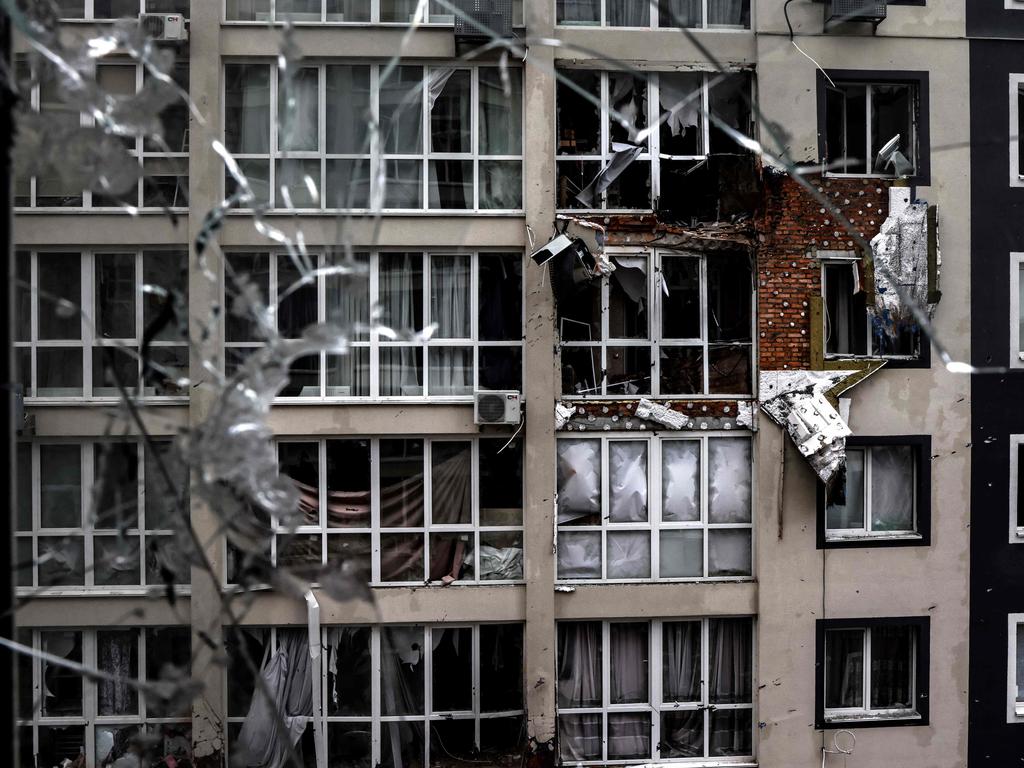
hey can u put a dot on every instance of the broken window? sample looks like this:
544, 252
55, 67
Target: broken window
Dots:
614, 524
873, 670
849, 329
878, 497
82, 318
694, 14
871, 128
100, 514
107, 722
442, 510
475, 300
398, 696
659, 690
163, 179
683, 327
603, 163
450, 138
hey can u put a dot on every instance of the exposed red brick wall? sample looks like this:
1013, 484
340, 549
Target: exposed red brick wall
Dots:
792, 226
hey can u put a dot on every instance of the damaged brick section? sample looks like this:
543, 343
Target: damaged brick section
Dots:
792, 228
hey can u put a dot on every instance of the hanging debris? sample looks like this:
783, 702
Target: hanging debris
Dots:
907, 250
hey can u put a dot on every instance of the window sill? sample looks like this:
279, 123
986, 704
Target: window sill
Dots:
561, 584
102, 401
869, 541
32, 210
872, 536
37, 593
881, 718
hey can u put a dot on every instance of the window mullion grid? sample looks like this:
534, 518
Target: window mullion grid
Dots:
705, 678
474, 95
273, 148
34, 315
321, 305
474, 511
704, 14
425, 320
36, 509
139, 322
427, 641
654, 138
602, 388
705, 301
705, 517
654, 670
654, 511
375, 708
88, 314
705, 113
321, 126
606, 686
866, 490
89, 688
425, 145
87, 510
605, 509
653, 319
374, 337
474, 317
866, 669
428, 505
605, 127
869, 94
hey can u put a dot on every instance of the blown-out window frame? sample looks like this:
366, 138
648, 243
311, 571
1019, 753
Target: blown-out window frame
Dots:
377, 719
655, 704
655, 524
374, 340
87, 306
90, 720
373, 154
140, 149
87, 532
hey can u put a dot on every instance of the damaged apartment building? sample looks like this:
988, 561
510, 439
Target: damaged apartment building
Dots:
677, 477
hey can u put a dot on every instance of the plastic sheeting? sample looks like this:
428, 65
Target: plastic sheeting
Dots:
629, 555
680, 479
501, 562
579, 555
892, 488
627, 481
729, 475
579, 479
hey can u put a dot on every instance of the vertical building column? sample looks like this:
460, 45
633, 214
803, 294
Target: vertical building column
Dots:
540, 388
205, 188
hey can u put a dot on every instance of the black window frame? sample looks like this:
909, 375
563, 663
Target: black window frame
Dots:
918, 79
921, 445
922, 660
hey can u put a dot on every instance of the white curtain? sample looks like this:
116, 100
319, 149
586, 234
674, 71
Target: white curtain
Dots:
628, 663
298, 105
892, 488
451, 368
681, 659
254, 107
680, 478
685, 13
627, 468
628, 13
629, 735
579, 479
580, 12
731, 12
401, 288
729, 474
579, 664
730, 648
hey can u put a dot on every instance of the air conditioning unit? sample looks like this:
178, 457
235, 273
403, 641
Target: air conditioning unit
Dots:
164, 27
497, 407
841, 11
495, 16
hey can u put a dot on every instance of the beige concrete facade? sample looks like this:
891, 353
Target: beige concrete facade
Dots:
794, 582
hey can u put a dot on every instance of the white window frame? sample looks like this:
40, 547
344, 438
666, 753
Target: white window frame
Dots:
1014, 706
655, 525
426, 19
655, 706
652, 154
1016, 530
374, 154
866, 532
87, 531
89, 340
655, 20
377, 719
375, 340
90, 718
89, 14
1016, 90
1013, 5
137, 149
869, 85
855, 714
655, 341
474, 530
1016, 356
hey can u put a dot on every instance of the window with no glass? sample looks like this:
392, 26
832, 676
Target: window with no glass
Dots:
663, 323
884, 495
631, 692
643, 509
395, 696
873, 670
450, 138
473, 301
873, 126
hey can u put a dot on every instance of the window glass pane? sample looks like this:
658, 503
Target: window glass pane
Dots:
579, 664
500, 114
450, 482
402, 742
729, 552
501, 184
401, 11
679, 13
579, 737
844, 668
117, 653
729, 292
629, 555
682, 370
892, 658
248, 290
729, 369
401, 371
680, 477
257, 174
501, 482
115, 9
680, 315
628, 299
627, 95
348, 108
451, 110
845, 502
164, 465
60, 295
579, 12
247, 108
117, 80
682, 734
298, 101
297, 310
71, 9
579, 555
733, 13
61, 561
401, 557
401, 108
349, 671
59, 371
115, 295
348, 10
729, 473
348, 184
579, 480
452, 669
298, 10
627, 482
501, 555
401, 290
1020, 662
449, 295
25, 490
892, 114
244, 648
628, 370
579, 118
573, 178
116, 485
892, 488
681, 553
450, 184
628, 663
401, 483
402, 668
730, 650
348, 483
501, 296
169, 271
628, 13
731, 732
62, 687
629, 736
501, 668
23, 296
298, 184
845, 312
247, 10
680, 652
60, 496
